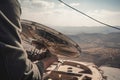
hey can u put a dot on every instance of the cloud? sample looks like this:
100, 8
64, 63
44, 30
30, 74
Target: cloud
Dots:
43, 4
53, 14
37, 4
107, 16
61, 5
74, 4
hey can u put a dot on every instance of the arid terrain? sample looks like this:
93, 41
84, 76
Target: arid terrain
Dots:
101, 49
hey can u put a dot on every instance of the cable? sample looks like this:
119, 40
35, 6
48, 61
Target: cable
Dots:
89, 16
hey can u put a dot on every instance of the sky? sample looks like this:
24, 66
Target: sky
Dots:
54, 13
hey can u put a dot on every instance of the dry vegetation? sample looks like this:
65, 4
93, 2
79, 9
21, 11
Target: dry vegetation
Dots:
101, 49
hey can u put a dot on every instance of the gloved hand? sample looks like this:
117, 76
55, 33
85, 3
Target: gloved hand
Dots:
45, 63
47, 58
50, 59
34, 56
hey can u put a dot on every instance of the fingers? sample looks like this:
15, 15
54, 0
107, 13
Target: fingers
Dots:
49, 60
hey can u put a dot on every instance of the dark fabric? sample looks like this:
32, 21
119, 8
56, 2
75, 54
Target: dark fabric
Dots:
40, 67
14, 64
11, 9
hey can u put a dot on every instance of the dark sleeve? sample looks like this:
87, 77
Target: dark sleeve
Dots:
14, 63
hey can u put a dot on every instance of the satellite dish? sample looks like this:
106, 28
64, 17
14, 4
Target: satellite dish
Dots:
56, 42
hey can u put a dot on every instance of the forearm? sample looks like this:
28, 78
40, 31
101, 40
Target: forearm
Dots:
14, 63
49, 60
17, 65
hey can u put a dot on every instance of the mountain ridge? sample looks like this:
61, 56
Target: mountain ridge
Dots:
99, 48
77, 30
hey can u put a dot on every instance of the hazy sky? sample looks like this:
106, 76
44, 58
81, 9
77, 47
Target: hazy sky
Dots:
54, 13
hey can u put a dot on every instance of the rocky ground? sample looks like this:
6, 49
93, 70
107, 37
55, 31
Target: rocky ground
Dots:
101, 49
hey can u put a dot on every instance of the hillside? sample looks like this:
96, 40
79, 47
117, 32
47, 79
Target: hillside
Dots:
83, 29
102, 49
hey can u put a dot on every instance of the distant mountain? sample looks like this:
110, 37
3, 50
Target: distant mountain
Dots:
77, 30
108, 40
99, 48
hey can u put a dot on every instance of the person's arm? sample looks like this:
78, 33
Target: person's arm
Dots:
48, 61
14, 62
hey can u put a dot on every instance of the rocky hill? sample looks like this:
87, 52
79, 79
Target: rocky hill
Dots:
101, 49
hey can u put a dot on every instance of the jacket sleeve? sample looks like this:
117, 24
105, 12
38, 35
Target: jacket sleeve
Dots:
16, 64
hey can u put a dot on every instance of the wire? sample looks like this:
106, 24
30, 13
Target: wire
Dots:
89, 16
